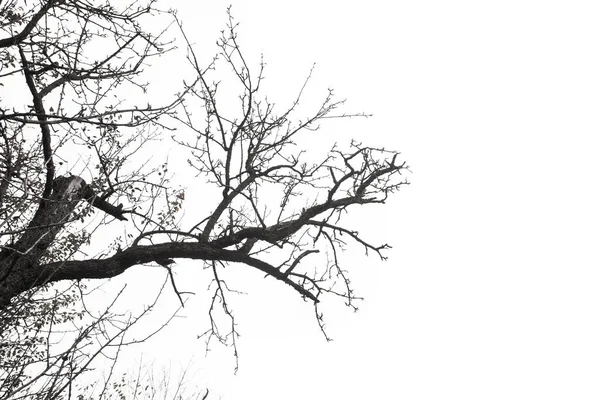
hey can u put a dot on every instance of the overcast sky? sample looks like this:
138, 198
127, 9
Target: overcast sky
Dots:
491, 290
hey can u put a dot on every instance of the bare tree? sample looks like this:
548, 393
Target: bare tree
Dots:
68, 67
277, 210
75, 108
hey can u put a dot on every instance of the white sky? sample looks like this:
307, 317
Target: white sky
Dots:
492, 289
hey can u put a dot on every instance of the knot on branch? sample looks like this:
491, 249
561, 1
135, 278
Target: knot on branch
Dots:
68, 188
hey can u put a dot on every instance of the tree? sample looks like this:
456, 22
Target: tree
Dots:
73, 163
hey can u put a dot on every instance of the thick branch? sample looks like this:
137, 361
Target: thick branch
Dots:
120, 262
279, 232
18, 38
48, 221
19, 264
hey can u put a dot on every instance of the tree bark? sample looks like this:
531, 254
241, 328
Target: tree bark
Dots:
17, 272
20, 263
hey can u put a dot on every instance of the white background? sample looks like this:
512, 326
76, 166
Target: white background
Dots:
492, 288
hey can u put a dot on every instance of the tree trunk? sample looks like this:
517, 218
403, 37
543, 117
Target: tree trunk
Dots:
17, 262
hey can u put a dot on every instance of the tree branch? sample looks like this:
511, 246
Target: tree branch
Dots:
38, 106
120, 262
18, 38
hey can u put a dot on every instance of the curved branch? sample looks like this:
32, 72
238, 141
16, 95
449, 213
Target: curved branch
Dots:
121, 261
282, 230
19, 37
352, 234
297, 260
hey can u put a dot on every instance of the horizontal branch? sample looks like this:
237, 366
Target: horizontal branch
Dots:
121, 261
